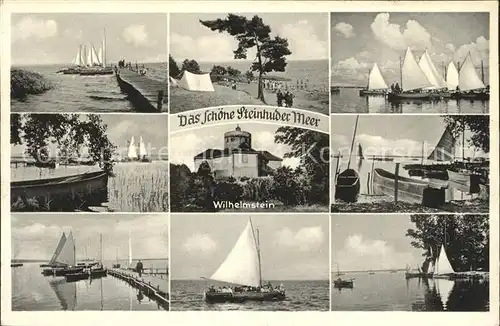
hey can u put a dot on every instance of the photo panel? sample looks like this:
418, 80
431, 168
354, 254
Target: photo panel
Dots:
88, 162
250, 262
408, 262
89, 62
410, 62
274, 59
67, 262
412, 164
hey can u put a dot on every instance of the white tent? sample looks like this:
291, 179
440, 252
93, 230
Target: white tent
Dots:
194, 82
173, 82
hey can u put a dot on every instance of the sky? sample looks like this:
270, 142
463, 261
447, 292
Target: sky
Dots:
365, 242
358, 40
55, 38
292, 247
187, 144
121, 128
396, 134
307, 35
35, 236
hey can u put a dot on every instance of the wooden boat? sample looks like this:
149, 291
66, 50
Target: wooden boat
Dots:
16, 265
376, 84
481, 96
86, 274
367, 92
411, 96
243, 267
340, 283
464, 181
63, 193
470, 86
409, 190
334, 90
96, 71
61, 271
347, 186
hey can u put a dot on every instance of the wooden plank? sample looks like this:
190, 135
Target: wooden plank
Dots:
149, 88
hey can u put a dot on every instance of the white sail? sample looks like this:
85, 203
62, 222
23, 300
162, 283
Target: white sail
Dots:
430, 269
242, 265
132, 151
444, 289
84, 55
430, 71
412, 75
67, 254
77, 61
443, 265
452, 76
99, 56
467, 77
142, 148
130, 248
376, 80
94, 56
59, 247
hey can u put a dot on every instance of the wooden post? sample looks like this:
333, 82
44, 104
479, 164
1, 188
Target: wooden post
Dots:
368, 184
371, 173
396, 177
159, 102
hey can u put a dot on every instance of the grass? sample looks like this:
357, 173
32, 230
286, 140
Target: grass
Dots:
24, 83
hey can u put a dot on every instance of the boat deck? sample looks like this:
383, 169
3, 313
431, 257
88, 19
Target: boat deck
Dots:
147, 95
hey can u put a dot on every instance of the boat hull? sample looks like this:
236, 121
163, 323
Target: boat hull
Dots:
83, 275
61, 271
418, 275
347, 186
465, 182
471, 96
61, 194
409, 190
16, 265
411, 96
343, 284
367, 92
235, 297
96, 72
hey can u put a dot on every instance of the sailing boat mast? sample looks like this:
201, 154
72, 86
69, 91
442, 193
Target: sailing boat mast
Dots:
401, 71
482, 72
257, 242
352, 142
104, 49
100, 247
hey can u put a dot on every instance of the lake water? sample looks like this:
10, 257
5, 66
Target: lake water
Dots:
35, 292
75, 93
349, 101
392, 292
301, 296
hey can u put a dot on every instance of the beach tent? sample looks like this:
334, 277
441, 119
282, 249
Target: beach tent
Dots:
195, 82
173, 82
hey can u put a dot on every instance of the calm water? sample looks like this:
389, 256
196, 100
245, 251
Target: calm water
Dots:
349, 101
391, 291
301, 295
33, 291
74, 93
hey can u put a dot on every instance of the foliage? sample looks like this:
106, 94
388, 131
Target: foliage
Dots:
233, 72
270, 52
289, 187
249, 75
191, 65
479, 125
23, 83
218, 70
465, 237
15, 128
257, 189
173, 68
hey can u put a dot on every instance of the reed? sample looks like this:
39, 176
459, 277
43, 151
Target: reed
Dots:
23, 83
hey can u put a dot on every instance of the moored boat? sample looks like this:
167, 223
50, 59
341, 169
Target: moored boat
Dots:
465, 181
347, 186
63, 193
376, 84
341, 283
334, 89
16, 264
470, 86
409, 190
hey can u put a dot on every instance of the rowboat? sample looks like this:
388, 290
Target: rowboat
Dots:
86, 274
464, 181
409, 190
347, 186
64, 193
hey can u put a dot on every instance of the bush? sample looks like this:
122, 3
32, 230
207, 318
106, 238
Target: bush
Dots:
23, 83
257, 189
228, 191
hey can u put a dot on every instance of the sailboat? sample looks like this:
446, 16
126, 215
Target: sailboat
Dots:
96, 63
63, 260
92, 271
143, 154
413, 81
132, 154
347, 184
452, 77
376, 83
470, 86
243, 267
340, 283
433, 76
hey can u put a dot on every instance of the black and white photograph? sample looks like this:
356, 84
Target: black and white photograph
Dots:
410, 62
88, 162
86, 262
253, 263
275, 59
412, 164
89, 62
249, 167
410, 262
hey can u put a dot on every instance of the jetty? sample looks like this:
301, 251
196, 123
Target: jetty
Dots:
145, 284
146, 94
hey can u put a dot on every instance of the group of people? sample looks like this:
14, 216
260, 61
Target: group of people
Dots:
265, 288
272, 85
395, 88
284, 98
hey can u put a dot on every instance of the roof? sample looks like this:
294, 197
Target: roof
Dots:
215, 153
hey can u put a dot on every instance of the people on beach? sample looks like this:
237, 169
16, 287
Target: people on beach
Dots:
279, 98
139, 268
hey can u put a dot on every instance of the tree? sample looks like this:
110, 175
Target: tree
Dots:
218, 70
479, 126
191, 65
249, 75
15, 129
465, 237
173, 68
233, 72
270, 52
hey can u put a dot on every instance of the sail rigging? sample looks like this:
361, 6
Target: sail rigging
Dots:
375, 79
142, 148
443, 265
468, 77
242, 265
445, 148
132, 151
412, 75
59, 247
452, 76
430, 72
77, 61
67, 254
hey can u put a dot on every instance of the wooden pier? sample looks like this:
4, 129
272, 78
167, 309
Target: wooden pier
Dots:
146, 94
144, 285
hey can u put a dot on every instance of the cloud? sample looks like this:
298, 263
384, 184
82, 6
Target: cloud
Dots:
217, 47
199, 244
479, 50
345, 29
303, 41
29, 27
137, 36
450, 47
305, 239
398, 38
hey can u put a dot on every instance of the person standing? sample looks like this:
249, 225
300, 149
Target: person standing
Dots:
139, 268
